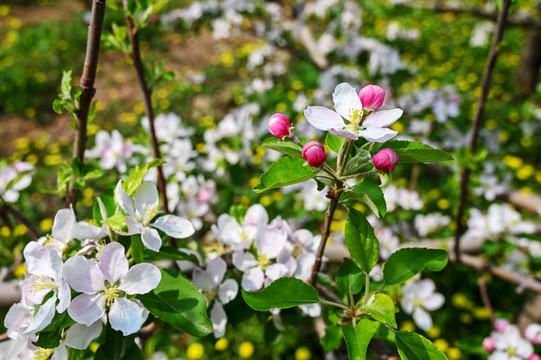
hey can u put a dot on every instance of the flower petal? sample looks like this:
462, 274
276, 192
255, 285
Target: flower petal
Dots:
344, 133
79, 336
60, 353
434, 301
346, 100
113, 263
383, 118
228, 291
38, 261
174, 226
219, 319
271, 243
422, 319
244, 260
83, 231
151, 239
64, 221
252, 280
124, 200
83, 275
202, 280
87, 309
217, 268
17, 317
146, 197
256, 216
323, 118
312, 310
141, 279
43, 317
127, 316
377, 134
64, 297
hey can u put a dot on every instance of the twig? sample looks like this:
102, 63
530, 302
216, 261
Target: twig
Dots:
147, 92
22, 219
87, 86
4, 337
485, 86
484, 296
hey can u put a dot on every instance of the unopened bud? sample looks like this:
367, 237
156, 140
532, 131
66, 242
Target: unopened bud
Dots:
488, 344
279, 126
314, 153
385, 160
534, 357
533, 333
501, 325
372, 97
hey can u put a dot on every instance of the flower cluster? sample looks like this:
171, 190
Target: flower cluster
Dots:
14, 179
506, 342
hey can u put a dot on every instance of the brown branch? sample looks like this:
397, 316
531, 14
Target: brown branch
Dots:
4, 337
11, 294
87, 86
484, 296
147, 100
22, 219
485, 86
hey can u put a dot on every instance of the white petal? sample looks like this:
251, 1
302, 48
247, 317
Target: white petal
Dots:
43, 317
312, 310
174, 226
344, 133
38, 261
79, 336
434, 301
60, 353
252, 280
17, 317
219, 319
64, 297
407, 305
228, 291
256, 216
83, 231
124, 200
113, 262
151, 239
323, 118
146, 196
141, 279
271, 243
305, 262
377, 134
276, 271
83, 275
64, 221
202, 280
244, 260
346, 100
383, 118
126, 316
87, 309
217, 268
422, 319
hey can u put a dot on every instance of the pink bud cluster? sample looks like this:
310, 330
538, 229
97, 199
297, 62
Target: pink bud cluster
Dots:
385, 160
314, 153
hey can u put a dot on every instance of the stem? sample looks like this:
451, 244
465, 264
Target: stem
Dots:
325, 231
87, 85
366, 288
342, 157
373, 171
330, 171
484, 296
332, 303
23, 220
147, 92
485, 86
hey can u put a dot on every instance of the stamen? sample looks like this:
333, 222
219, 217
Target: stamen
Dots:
263, 261
110, 294
43, 354
39, 283
150, 212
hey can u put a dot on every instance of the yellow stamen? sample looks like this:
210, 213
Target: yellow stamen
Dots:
43, 354
39, 283
110, 294
150, 212
263, 261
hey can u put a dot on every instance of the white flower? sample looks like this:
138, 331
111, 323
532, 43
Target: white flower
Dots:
510, 345
419, 296
145, 209
348, 106
9, 188
104, 284
229, 232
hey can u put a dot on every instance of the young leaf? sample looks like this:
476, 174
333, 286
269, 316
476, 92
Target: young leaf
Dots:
178, 302
349, 277
412, 346
285, 147
370, 194
332, 338
286, 171
361, 241
50, 337
282, 294
168, 252
135, 179
334, 142
381, 307
406, 263
117, 222
357, 338
412, 152
137, 249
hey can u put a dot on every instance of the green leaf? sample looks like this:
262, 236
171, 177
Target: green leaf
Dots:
286, 171
381, 307
104, 206
117, 222
285, 147
361, 241
65, 86
50, 336
168, 252
135, 179
282, 294
178, 302
406, 263
137, 249
331, 340
412, 152
370, 194
349, 277
334, 143
57, 106
92, 112
358, 338
412, 346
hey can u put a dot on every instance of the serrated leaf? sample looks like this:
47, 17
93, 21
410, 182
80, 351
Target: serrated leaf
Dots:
282, 294
65, 85
117, 222
285, 147
334, 143
357, 338
349, 277
412, 152
178, 302
381, 307
286, 171
369, 194
135, 179
412, 346
406, 263
361, 241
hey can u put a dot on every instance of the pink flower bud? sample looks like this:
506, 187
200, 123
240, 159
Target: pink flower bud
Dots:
279, 126
501, 325
314, 153
488, 344
534, 357
372, 97
385, 160
533, 333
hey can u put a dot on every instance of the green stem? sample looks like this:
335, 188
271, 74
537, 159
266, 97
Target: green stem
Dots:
332, 303
367, 288
373, 171
343, 156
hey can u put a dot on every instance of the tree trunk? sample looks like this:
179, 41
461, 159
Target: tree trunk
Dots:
530, 62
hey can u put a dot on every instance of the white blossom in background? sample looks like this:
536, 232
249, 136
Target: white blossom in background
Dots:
388, 242
430, 223
404, 198
509, 345
419, 298
114, 151
481, 33
9, 188
217, 291
396, 31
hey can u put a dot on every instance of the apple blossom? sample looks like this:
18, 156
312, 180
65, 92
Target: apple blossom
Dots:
385, 160
488, 344
314, 153
279, 126
533, 333
372, 97
509, 345
238, 237
419, 296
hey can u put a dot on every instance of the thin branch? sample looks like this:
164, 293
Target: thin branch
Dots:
87, 86
484, 296
4, 337
485, 87
22, 219
147, 100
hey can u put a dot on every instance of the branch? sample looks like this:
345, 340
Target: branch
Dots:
87, 86
485, 86
147, 92
11, 294
22, 219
